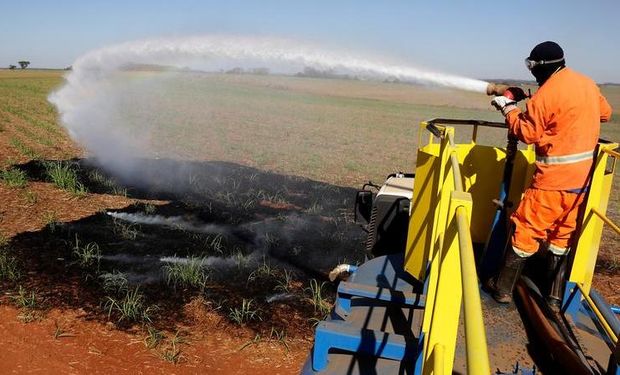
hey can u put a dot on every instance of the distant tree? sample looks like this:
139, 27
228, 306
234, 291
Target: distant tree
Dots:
12, 67
23, 64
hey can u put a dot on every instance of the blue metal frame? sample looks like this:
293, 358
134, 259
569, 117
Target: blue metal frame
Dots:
419, 358
341, 335
419, 361
337, 333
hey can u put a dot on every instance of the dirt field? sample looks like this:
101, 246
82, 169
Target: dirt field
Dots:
265, 205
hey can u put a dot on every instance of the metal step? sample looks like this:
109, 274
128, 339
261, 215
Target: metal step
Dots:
341, 335
375, 324
349, 292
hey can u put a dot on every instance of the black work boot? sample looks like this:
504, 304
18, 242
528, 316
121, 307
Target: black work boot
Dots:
505, 282
556, 273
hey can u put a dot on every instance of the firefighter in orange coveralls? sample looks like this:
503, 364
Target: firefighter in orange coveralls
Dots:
562, 121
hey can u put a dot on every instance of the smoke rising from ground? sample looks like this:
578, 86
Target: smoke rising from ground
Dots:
311, 243
177, 222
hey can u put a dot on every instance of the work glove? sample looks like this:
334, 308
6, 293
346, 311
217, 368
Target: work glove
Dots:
502, 103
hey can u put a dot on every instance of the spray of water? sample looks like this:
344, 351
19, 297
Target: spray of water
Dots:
217, 52
94, 90
118, 115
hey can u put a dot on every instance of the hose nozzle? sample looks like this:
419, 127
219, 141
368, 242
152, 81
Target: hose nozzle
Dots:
496, 89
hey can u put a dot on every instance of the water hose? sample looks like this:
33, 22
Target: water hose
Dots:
341, 271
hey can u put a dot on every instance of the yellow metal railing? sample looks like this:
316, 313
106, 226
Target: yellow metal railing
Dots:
586, 251
441, 232
475, 337
606, 327
605, 219
454, 263
438, 360
613, 153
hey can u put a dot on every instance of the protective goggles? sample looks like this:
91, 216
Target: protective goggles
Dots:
532, 63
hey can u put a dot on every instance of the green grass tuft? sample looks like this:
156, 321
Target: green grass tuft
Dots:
131, 308
25, 299
65, 177
14, 178
245, 313
153, 337
187, 274
114, 282
264, 271
175, 341
318, 301
109, 184
87, 255
9, 267
125, 230
284, 283
51, 220
280, 337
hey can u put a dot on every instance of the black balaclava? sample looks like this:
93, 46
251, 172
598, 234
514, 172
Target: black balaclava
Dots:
546, 51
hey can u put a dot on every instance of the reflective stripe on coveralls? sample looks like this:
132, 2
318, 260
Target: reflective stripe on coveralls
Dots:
521, 253
565, 159
557, 250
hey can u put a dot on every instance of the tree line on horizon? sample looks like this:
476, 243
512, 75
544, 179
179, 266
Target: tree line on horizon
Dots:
22, 64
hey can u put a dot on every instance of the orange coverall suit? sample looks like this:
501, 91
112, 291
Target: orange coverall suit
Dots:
563, 122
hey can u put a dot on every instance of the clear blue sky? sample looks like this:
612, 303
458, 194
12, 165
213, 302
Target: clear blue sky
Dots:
483, 39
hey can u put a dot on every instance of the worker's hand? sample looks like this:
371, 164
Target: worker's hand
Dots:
502, 103
517, 93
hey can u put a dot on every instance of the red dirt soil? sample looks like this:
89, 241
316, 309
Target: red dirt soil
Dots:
212, 345
93, 348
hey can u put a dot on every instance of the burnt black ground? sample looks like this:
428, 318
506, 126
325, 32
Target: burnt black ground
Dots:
286, 221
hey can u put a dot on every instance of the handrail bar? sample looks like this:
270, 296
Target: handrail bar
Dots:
475, 335
607, 221
613, 153
447, 121
438, 367
454, 161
